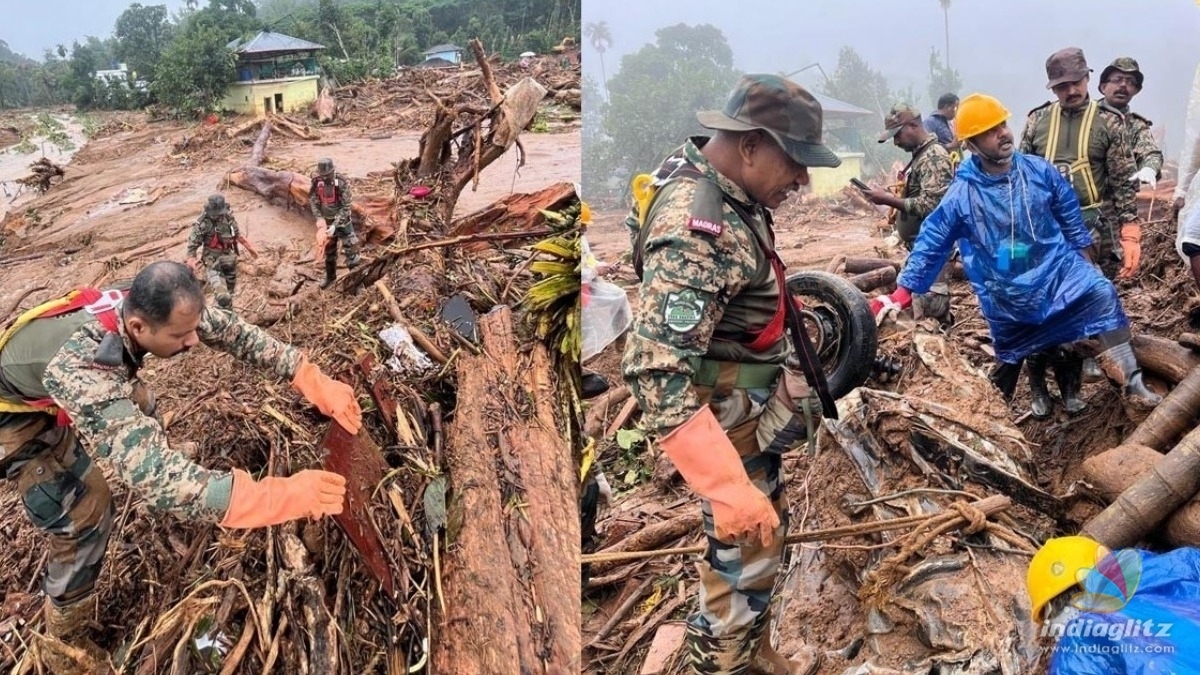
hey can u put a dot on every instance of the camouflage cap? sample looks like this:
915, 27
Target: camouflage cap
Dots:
1066, 65
897, 117
780, 107
1125, 64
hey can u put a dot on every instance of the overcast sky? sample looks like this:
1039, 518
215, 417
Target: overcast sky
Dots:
32, 26
998, 46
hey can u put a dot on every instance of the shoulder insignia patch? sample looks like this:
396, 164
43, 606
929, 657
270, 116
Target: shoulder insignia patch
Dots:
683, 311
705, 226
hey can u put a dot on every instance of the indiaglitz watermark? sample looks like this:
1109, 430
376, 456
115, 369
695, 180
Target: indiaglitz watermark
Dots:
1113, 630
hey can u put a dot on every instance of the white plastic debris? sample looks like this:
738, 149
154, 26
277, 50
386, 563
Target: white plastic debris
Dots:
406, 358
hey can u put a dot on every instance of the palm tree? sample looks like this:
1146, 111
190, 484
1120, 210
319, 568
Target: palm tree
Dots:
946, 17
600, 36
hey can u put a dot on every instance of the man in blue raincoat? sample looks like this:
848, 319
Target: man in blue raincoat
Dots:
1024, 247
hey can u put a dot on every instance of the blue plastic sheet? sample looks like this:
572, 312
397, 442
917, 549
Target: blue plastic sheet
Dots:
1157, 631
1020, 234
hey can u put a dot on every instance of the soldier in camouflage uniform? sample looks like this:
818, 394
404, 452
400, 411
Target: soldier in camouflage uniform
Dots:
706, 363
217, 232
925, 179
1088, 143
90, 372
329, 196
1119, 83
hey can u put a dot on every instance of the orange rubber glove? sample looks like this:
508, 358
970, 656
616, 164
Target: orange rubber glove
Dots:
331, 397
274, 500
1131, 249
711, 466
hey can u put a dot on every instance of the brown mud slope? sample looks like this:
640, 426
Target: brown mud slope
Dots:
925, 437
299, 598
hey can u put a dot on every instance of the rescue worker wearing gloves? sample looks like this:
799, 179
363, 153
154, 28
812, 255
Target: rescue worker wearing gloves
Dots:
1129, 612
1024, 248
217, 232
707, 356
329, 196
79, 362
1087, 142
1120, 81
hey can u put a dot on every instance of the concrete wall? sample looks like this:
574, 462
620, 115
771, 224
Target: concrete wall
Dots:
827, 182
247, 97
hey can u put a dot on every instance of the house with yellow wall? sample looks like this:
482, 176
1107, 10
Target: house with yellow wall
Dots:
277, 73
826, 182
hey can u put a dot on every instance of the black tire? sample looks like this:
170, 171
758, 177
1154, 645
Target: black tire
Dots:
841, 326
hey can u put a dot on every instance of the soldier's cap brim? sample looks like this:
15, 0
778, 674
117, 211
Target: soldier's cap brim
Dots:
889, 134
1073, 77
805, 153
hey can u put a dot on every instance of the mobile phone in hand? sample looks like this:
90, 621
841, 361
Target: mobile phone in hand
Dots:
859, 184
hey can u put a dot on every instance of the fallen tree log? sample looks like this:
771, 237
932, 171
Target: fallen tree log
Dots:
516, 212
651, 537
512, 576
856, 265
869, 281
1170, 418
1114, 471
1165, 358
1140, 509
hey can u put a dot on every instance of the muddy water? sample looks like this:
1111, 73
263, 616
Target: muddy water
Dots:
15, 165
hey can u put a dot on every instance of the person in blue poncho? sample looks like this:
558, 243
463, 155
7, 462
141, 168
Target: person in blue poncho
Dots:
1024, 248
1126, 612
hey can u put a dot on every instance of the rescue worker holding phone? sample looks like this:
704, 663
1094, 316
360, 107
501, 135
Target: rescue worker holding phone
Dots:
925, 180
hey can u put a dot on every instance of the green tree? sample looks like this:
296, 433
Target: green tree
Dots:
142, 33
942, 80
654, 96
600, 37
195, 69
854, 81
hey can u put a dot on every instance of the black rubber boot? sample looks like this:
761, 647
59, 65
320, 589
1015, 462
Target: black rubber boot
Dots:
1005, 378
1120, 365
330, 274
1068, 372
1035, 366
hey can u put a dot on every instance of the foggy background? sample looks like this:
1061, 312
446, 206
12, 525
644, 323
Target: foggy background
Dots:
997, 47
30, 27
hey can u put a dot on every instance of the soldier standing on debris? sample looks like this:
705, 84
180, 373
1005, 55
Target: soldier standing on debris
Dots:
707, 351
329, 197
1087, 141
217, 232
83, 365
1024, 248
925, 179
1119, 83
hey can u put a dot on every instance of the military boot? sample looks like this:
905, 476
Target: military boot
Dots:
1120, 365
67, 625
330, 274
1035, 366
1068, 372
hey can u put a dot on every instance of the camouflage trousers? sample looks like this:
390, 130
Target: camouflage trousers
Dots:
66, 496
220, 269
343, 230
736, 581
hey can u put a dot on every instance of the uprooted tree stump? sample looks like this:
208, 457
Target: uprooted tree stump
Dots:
512, 572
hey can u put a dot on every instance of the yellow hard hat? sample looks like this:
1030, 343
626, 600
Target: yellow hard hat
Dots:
976, 114
1056, 566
